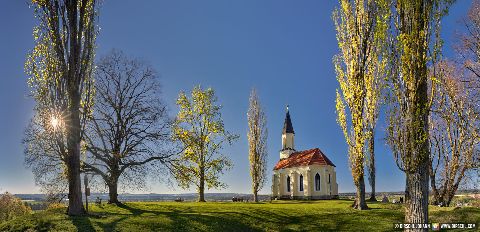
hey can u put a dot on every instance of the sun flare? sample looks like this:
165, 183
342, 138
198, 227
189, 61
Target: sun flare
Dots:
55, 122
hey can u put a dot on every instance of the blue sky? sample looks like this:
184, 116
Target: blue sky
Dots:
283, 48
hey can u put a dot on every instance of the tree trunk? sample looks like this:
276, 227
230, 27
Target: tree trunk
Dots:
255, 196
415, 18
113, 192
371, 165
433, 185
359, 202
201, 187
416, 196
75, 204
450, 193
437, 198
448, 199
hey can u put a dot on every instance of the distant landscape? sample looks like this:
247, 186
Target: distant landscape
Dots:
128, 197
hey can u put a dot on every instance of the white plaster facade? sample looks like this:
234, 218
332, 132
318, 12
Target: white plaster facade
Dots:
327, 189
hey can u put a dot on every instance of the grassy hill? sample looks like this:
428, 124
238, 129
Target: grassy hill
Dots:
327, 215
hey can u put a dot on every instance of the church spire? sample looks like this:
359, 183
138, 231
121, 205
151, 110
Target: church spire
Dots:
287, 125
288, 135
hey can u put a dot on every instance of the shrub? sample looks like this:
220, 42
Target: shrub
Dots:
55, 206
11, 207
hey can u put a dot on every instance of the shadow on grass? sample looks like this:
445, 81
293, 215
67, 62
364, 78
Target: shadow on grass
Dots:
82, 223
241, 217
231, 217
179, 220
456, 215
136, 211
337, 219
258, 219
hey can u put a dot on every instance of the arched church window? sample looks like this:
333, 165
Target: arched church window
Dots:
301, 183
288, 183
317, 182
329, 178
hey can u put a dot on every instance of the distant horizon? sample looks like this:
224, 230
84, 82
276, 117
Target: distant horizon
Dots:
188, 193
185, 194
230, 193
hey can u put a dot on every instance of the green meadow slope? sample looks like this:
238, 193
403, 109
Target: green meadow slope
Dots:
327, 215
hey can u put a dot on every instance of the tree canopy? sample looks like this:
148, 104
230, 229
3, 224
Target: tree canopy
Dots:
199, 128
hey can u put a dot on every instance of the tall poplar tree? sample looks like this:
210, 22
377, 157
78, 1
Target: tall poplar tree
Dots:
415, 45
60, 68
257, 144
361, 27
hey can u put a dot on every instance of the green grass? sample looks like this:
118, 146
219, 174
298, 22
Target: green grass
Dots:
327, 215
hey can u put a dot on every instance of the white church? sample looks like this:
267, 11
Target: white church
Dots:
307, 174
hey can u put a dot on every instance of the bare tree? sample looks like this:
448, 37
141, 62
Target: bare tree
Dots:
454, 135
469, 46
129, 127
257, 144
60, 68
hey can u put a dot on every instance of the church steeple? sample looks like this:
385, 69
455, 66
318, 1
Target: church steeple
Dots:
288, 135
287, 126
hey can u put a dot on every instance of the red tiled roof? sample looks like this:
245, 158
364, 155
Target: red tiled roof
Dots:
304, 158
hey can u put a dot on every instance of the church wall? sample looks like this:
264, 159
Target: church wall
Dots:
279, 188
307, 184
275, 183
294, 179
334, 183
288, 141
281, 184
324, 186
